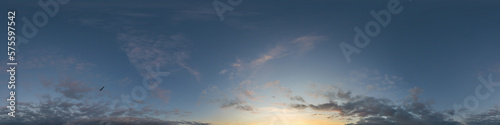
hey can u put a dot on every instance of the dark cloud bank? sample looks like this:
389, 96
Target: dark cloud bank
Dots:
63, 111
381, 111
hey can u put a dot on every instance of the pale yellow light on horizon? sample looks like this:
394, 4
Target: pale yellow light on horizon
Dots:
293, 122
277, 116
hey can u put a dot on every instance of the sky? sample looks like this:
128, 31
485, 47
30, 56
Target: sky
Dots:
242, 62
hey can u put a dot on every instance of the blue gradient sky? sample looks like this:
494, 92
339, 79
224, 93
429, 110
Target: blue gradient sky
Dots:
246, 68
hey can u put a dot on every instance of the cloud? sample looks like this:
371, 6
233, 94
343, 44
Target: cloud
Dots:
193, 72
52, 57
297, 98
145, 49
414, 93
490, 117
72, 89
276, 84
232, 103
244, 107
298, 106
196, 14
237, 103
374, 80
246, 89
382, 111
297, 45
223, 71
276, 52
214, 95
60, 111
162, 94
272, 84
130, 121
307, 42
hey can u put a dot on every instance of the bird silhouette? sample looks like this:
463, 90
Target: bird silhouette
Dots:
101, 89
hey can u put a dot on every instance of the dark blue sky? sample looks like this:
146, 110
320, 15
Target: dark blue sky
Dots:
266, 62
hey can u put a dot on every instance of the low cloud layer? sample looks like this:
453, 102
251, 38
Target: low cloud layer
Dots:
61, 111
490, 117
382, 111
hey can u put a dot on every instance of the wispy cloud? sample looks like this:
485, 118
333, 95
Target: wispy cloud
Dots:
374, 80
276, 85
247, 68
162, 94
145, 47
145, 50
52, 57
308, 42
68, 88
274, 53
214, 95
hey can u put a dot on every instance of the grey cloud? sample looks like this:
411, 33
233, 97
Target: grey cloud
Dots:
298, 106
130, 121
214, 95
244, 107
490, 117
297, 98
237, 103
381, 111
330, 106
232, 103
59, 111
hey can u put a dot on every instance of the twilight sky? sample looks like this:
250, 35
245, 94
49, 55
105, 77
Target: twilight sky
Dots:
255, 62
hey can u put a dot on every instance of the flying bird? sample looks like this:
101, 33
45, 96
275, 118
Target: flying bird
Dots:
101, 89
